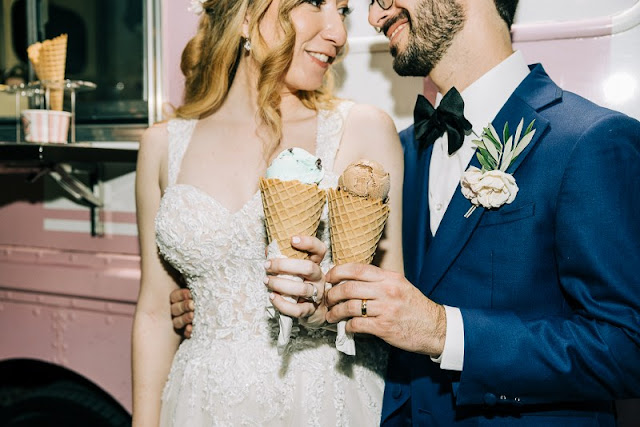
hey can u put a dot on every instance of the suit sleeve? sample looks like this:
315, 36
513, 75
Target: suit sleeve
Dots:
593, 351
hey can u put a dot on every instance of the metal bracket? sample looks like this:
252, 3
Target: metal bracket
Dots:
79, 191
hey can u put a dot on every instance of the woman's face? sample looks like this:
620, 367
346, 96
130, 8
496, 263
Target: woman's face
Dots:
320, 34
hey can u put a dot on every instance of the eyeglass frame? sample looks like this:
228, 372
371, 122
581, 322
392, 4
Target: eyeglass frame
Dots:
381, 4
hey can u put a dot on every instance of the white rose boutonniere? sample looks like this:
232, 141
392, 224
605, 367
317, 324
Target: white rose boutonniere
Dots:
491, 186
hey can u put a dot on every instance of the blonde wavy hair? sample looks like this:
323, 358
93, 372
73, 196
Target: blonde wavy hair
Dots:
210, 59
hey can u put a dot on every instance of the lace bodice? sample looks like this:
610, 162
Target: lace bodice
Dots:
230, 366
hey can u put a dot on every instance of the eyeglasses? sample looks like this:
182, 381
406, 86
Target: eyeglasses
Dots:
384, 4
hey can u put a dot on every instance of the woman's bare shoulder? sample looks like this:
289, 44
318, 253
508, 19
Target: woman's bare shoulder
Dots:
370, 117
156, 134
153, 150
367, 126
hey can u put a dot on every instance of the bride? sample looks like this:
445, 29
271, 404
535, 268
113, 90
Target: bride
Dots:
258, 81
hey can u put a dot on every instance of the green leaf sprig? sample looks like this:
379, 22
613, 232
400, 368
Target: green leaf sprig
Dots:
493, 154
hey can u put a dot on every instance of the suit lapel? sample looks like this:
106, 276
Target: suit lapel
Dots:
416, 230
534, 93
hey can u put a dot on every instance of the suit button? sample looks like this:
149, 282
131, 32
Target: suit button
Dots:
490, 399
397, 391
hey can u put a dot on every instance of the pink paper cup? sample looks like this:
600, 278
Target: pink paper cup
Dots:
45, 125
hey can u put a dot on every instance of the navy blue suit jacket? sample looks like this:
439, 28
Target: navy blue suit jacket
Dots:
548, 285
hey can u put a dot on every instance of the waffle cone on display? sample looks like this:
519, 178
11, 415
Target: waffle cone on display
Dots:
356, 226
291, 208
49, 59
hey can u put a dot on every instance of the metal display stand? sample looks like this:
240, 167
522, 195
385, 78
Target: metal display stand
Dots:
43, 88
71, 86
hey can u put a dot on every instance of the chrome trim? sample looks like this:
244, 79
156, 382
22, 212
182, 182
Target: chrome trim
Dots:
153, 53
32, 31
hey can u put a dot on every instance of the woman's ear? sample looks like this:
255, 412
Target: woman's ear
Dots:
245, 26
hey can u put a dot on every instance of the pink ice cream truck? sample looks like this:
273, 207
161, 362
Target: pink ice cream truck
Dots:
69, 258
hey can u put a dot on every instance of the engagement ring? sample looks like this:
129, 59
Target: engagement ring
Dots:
314, 296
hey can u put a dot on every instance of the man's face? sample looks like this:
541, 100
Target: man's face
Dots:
419, 32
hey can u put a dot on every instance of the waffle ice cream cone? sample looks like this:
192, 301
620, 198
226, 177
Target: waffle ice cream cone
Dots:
291, 208
49, 59
356, 225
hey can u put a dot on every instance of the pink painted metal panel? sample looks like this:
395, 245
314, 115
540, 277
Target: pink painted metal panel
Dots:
22, 217
577, 65
178, 25
21, 223
99, 276
80, 335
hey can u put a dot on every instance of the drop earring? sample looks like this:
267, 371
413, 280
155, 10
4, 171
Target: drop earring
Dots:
247, 45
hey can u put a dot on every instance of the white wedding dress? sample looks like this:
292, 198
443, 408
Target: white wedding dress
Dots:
229, 373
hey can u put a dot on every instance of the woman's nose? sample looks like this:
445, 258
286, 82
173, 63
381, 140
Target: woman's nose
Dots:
335, 30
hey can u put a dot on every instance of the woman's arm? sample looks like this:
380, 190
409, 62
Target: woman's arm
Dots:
371, 134
154, 341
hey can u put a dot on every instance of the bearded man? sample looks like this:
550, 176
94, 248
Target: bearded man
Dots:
521, 300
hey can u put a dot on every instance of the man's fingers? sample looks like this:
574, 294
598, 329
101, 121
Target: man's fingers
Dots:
353, 308
351, 290
315, 247
357, 271
306, 269
361, 325
178, 295
187, 331
182, 307
294, 288
180, 322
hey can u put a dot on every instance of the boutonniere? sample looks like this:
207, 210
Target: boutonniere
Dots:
492, 186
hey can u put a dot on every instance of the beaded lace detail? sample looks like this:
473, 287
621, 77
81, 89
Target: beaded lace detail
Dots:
229, 372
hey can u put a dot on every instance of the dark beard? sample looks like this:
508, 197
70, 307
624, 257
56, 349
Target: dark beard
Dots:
431, 33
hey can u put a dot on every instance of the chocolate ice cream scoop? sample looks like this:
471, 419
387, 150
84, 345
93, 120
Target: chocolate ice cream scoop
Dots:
365, 178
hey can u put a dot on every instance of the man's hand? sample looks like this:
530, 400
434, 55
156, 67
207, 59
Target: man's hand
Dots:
182, 311
309, 293
396, 311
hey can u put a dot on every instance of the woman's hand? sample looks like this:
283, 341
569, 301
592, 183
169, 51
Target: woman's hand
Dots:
309, 308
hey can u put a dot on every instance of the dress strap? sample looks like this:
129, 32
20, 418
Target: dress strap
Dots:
180, 131
330, 130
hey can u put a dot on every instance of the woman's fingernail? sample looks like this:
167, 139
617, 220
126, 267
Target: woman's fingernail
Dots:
272, 296
265, 280
295, 239
267, 264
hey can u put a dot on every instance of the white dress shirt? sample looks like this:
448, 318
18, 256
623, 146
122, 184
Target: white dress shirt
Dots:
482, 101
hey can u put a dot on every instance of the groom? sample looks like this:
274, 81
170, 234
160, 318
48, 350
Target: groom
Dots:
527, 313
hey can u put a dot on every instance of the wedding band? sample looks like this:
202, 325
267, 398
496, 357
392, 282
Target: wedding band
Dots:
363, 308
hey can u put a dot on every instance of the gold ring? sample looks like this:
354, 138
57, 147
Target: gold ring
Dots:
363, 308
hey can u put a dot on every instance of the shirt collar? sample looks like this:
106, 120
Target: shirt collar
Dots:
484, 98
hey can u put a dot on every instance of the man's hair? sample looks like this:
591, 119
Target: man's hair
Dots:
507, 10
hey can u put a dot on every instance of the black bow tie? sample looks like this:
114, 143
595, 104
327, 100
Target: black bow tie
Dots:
430, 124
